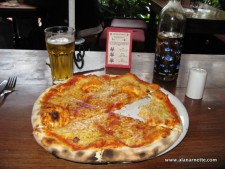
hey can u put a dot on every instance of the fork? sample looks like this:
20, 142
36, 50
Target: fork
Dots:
10, 86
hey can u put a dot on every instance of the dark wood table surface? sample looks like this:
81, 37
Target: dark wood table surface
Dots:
210, 22
204, 142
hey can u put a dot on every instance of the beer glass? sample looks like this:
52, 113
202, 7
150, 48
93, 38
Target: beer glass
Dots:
60, 43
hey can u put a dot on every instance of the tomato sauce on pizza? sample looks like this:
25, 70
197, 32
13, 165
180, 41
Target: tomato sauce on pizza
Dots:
79, 120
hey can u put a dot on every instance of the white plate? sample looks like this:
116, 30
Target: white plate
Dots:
132, 110
183, 116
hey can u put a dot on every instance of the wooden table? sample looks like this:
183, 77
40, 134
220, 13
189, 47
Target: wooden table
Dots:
205, 139
210, 22
19, 12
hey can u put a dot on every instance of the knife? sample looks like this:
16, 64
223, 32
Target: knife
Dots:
2, 85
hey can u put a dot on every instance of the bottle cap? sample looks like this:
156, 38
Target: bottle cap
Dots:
196, 83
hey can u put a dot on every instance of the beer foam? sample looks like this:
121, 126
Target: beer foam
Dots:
60, 40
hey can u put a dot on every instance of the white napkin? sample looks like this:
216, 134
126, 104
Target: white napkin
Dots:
89, 65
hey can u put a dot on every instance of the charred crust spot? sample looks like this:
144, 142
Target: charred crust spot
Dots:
55, 116
54, 153
108, 153
142, 155
92, 158
80, 154
76, 139
156, 151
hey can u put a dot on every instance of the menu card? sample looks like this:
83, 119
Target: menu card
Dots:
119, 48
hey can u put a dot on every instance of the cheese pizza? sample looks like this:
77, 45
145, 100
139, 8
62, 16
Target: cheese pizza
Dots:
80, 120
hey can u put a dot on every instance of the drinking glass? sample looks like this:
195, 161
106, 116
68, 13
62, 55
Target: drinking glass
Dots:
60, 43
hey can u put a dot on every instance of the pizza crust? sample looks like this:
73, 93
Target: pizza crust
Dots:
98, 155
128, 154
35, 116
124, 154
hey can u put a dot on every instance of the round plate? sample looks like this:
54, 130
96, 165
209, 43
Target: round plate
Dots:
183, 116
132, 110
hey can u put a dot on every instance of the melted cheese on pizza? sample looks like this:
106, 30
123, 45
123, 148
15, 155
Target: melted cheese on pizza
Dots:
107, 130
80, 115
160, 112
86, 96
85, 134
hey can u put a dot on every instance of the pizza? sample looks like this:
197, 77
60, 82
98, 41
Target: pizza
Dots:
105, 119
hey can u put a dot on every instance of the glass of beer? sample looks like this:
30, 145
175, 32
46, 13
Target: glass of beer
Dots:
60, 43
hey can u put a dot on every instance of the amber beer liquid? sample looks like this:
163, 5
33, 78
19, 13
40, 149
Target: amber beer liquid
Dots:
167, 56
61, 50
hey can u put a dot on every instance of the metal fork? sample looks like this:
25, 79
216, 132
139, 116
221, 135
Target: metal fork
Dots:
10, 86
